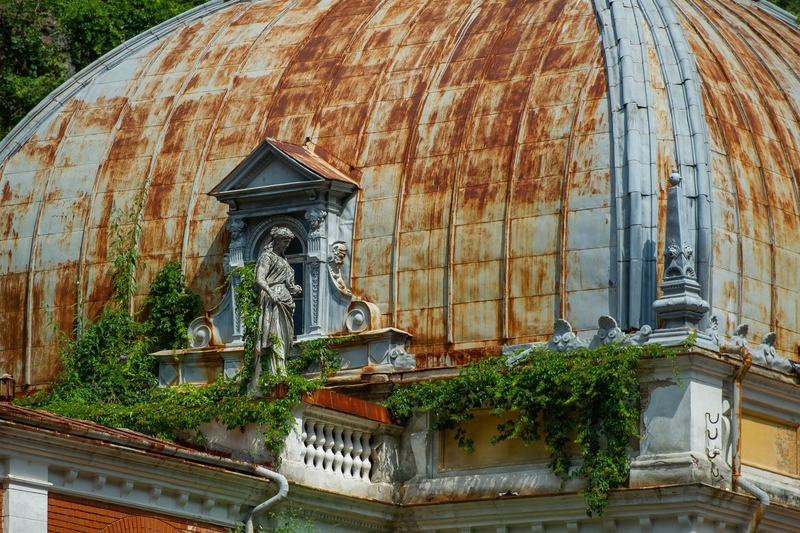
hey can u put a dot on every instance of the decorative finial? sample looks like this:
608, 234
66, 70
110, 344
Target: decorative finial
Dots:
675, 178
680, 307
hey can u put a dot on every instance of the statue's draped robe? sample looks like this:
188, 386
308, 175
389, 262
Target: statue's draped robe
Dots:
275, 279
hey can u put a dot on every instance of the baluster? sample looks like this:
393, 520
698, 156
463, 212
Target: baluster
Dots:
319, 454
337, 446
366, 463
347, 464
357, 449
304, 434
328, 460
311, 451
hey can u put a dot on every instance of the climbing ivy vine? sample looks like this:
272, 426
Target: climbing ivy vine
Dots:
586, 397
109, 376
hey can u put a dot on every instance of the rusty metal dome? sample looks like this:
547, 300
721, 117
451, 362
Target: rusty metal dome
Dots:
512, 159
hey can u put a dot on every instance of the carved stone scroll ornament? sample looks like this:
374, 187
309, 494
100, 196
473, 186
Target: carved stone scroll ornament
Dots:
564, 339
277, 289
765, 353
713, 330
608, 332
200, 332
739, 337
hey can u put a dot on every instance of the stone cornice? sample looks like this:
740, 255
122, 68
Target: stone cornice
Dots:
109, 472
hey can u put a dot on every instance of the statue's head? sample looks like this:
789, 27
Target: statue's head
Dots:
338, 252
280, 237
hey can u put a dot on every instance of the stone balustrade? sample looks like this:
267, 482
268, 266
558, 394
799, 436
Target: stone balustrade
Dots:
343, 446
337, 450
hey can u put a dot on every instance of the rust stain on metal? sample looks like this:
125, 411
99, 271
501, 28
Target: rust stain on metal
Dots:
460, 121
428, 360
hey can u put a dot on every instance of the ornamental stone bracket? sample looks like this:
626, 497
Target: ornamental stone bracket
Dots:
565, 340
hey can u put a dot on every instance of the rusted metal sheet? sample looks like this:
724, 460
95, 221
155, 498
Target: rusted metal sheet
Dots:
479, 131
747, 64
372, 84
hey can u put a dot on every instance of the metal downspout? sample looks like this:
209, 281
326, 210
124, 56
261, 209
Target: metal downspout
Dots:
264, 506
736, 430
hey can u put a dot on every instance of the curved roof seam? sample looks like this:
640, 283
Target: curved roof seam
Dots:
777, 126
82, 292
361, 143
28, 335
159, 144
458, 179
67, 90
779, 132
714, 114
516, 154
561, 283
411, 148
325, 92
263, 131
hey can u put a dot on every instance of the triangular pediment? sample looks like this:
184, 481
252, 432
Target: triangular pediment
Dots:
266, 166
272, 171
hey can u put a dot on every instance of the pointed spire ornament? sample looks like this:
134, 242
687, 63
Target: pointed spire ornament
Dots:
680, 307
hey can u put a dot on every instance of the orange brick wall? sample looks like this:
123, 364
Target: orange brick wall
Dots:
67, 514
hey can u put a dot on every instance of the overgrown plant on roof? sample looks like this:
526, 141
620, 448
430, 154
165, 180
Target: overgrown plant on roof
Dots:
109, 376
589, 397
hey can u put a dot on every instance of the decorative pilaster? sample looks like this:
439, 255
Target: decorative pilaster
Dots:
317, 255
680, 307
234, 259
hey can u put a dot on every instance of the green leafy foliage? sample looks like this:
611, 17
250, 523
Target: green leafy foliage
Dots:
318, 352
247, 301
44, 41
93, 27
792, 6
31, 65
110, 378
588, 397
171, 306
125, 228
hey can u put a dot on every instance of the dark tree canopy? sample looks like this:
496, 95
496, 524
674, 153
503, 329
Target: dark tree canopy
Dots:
42, 42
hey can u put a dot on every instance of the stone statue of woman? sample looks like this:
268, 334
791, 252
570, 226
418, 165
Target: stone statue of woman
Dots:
275, 280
